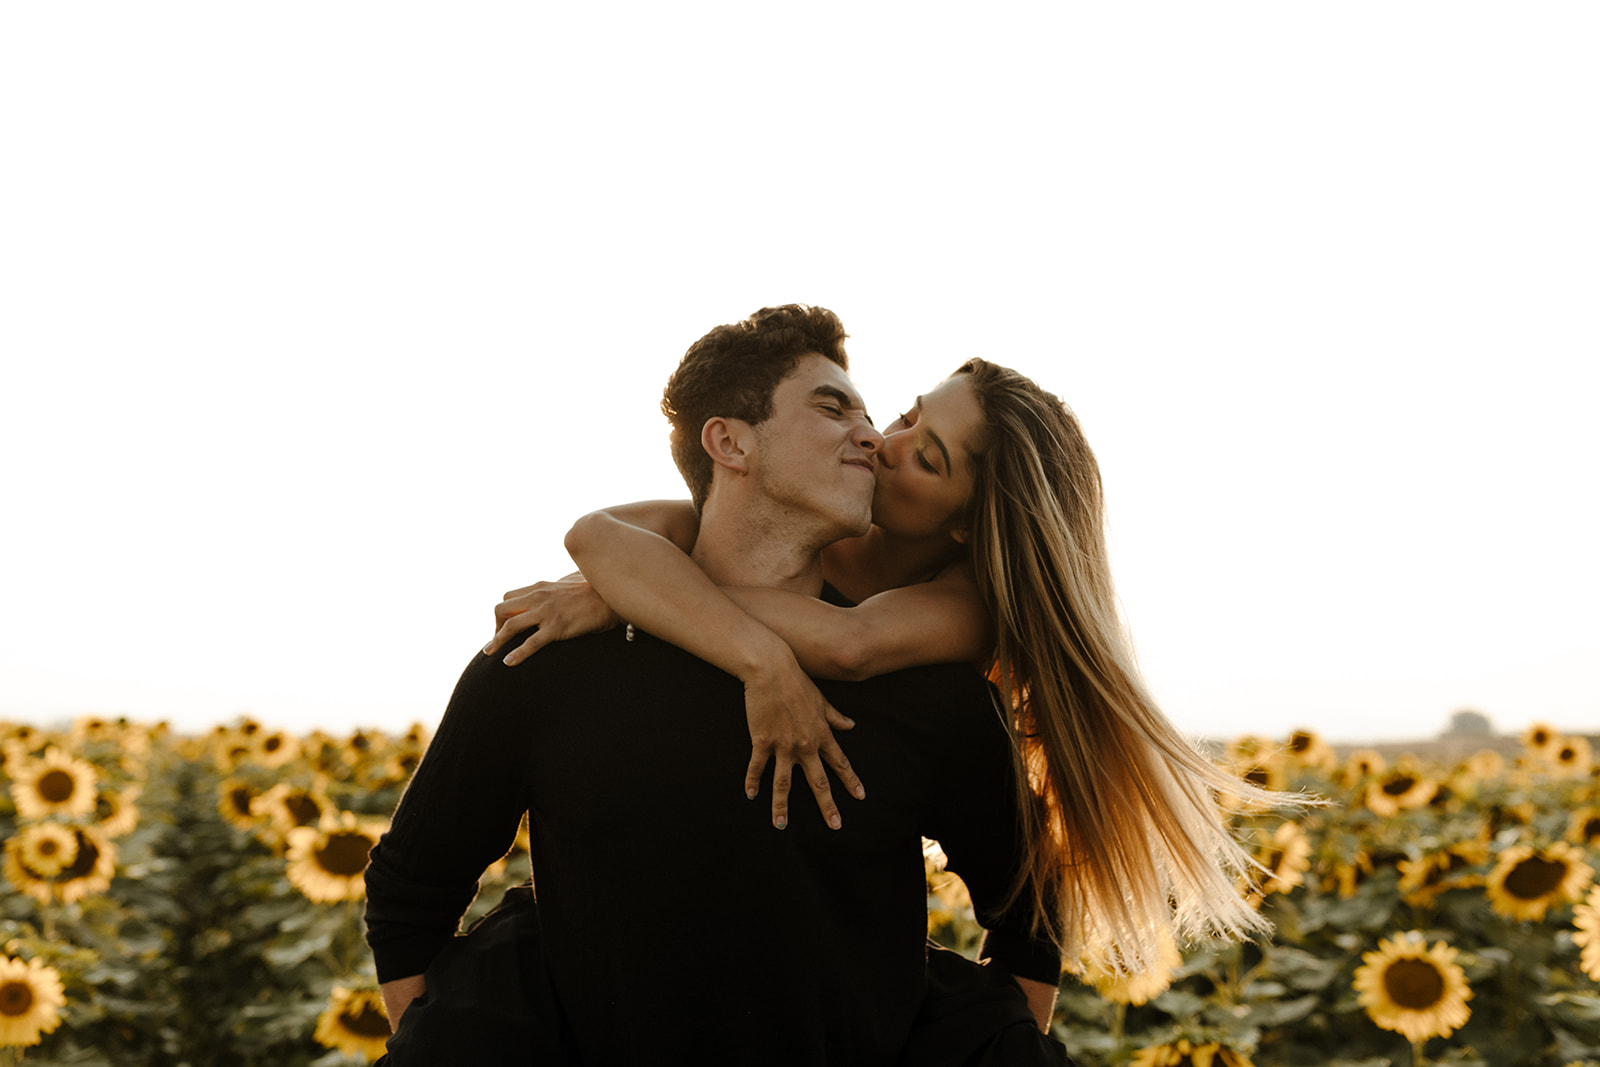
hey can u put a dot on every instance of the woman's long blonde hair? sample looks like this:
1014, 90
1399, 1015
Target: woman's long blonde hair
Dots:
1127, 840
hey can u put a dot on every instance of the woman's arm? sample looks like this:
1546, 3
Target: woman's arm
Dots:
939, 621
643, 573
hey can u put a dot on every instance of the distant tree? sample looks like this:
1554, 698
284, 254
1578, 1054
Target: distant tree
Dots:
1469, 724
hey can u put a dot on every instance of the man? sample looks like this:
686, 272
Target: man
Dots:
673, 924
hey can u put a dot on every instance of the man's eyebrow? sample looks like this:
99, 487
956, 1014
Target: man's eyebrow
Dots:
846, 401
948, 466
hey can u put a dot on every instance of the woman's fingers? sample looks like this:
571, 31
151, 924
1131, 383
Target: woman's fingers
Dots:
509, 627
780, 792
817, 778
536, 640
837, 719
760, 756
835, 757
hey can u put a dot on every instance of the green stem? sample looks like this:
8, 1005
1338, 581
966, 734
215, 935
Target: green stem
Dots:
1119, 1014
1417, 1058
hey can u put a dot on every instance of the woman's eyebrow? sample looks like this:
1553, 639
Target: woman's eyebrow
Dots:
945, 452
846, 401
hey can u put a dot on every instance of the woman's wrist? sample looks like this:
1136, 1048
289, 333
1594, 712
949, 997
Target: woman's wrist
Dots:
763, 657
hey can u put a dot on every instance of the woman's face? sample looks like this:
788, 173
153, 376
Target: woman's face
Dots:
925, 467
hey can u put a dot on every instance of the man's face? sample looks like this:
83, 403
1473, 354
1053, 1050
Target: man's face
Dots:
816, 452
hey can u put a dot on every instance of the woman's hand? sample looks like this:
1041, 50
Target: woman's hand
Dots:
568, 608
792, 723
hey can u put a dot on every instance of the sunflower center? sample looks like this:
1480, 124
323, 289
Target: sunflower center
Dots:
239, 797
1591, 829
1413, 984
1399, 786
48, 847
272, 744
345, 854
1299, 741
15, 998
1568, 755
88, 856
1535, 877
1258, 776
302, 809
366, 1021
57, 786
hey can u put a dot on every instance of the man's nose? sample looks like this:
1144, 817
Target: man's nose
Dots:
869, 438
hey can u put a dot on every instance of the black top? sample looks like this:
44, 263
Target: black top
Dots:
678, 925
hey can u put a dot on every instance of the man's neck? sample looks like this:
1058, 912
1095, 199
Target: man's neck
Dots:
737, 547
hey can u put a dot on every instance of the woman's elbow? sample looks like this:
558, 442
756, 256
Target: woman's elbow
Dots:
849, 655
582, 534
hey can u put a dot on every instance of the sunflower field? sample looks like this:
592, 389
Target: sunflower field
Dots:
197, 900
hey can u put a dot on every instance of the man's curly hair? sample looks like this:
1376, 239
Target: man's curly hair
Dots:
733, 371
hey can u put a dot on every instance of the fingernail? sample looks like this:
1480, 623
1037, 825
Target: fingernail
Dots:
507, 660
834, 822
487, 647
849, 721
861, 793
749, 794
781, 822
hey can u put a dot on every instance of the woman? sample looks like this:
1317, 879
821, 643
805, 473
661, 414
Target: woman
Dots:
987, 546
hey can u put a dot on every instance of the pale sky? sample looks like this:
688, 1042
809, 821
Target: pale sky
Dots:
321, 323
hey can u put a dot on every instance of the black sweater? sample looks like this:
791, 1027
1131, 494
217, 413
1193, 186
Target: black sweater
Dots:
678, 925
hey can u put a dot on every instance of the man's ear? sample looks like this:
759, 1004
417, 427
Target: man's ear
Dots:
960, 537
729, 442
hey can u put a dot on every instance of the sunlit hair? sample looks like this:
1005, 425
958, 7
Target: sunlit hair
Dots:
733, 371
1125, 834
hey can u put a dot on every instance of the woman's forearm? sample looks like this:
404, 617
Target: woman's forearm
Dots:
931, 622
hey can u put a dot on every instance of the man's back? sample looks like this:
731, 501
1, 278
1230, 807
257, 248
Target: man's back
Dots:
677, 923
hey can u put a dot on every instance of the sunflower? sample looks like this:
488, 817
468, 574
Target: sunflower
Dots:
30, 1001
1123, 987
1583, 828
116, 812
1248, 748
327, 864
1483, 766
1422, 880
289, 806
55, 784
231, 750
1539, 738
1285, 861
948, 899
355, 1022
235, 798
93, 862
1572, 758
45, 848
274, 748
1412, 989
1306, 749
364, 746
1362, 763
1526, 881
1586, 919
91, 870
1402, 788
1185, 1053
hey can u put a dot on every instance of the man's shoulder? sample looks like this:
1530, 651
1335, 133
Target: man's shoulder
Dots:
950, 691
